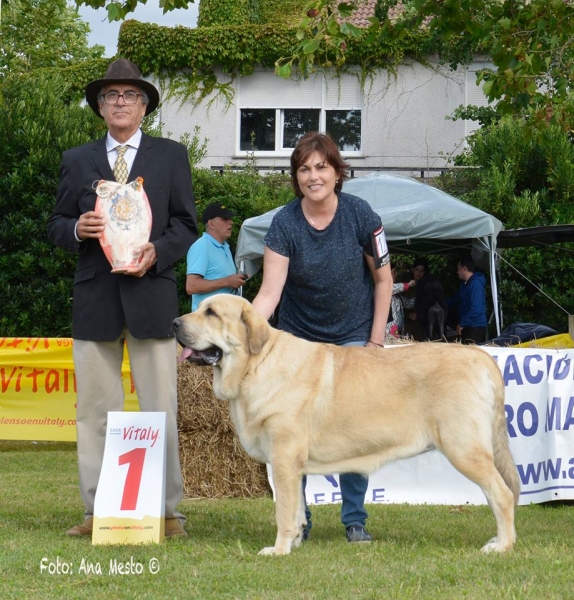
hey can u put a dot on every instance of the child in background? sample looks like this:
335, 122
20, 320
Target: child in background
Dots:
395, 325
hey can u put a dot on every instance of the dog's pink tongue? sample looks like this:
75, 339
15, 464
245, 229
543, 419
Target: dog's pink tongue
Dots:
183, 355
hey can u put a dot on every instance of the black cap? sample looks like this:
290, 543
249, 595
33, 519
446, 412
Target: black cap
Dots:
122, 71
216, 209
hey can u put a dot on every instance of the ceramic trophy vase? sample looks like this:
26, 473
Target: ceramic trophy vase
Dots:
127, 214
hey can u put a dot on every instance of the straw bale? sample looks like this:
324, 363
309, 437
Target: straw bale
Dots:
213, 463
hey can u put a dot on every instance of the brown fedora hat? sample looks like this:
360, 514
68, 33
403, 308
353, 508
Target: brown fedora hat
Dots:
122, 71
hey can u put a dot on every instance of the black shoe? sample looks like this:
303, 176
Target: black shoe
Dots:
306, 534
357, 533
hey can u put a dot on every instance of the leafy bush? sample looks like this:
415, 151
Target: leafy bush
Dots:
36, 126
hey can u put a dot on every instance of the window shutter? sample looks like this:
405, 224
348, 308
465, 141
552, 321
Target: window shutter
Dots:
343, 92
474, 95
264, 89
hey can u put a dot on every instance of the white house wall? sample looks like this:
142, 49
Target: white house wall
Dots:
403, 120
216, 122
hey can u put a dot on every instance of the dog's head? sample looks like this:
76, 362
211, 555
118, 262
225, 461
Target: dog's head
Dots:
224, 325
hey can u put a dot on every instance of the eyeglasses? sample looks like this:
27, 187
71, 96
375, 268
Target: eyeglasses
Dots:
113, 97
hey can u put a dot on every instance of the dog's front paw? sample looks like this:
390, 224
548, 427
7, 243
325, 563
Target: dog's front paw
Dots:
272, 551
494, 545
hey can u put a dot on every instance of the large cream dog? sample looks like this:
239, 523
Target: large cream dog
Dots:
317, 408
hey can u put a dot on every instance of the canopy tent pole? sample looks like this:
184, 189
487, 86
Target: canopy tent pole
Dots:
493, 283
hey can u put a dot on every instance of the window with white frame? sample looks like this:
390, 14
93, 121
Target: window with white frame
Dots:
274, 113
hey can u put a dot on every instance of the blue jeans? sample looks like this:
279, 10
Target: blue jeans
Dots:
353, 489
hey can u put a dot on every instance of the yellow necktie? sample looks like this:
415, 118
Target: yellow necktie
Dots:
120, 166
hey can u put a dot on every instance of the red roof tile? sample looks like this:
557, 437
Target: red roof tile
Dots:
360, 16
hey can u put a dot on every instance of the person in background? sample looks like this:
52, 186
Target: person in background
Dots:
395, 325
430, 309
471, 303
210, 266
326, 258
137, 307
413, 327
420, 268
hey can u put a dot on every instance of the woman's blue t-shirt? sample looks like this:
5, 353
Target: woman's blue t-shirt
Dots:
328, 294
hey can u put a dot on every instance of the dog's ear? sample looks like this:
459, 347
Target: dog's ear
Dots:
257, 329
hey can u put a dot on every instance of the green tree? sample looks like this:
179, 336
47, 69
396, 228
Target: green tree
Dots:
42, 34
528, 41
36, 125
118, 11
211, 12
40, 117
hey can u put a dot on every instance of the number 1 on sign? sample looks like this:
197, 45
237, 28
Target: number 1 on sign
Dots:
135, 458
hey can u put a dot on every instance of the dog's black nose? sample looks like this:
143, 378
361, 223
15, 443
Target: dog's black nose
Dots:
177, 323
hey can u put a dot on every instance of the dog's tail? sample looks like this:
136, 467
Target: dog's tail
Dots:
503, 459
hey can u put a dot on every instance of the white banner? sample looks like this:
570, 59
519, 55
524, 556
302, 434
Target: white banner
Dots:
540, 416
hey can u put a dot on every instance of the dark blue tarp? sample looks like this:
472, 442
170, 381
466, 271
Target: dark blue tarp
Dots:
518, 333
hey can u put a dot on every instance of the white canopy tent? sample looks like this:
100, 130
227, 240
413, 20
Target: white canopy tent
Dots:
418, 219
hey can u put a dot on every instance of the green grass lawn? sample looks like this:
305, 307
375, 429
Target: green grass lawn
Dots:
419, 551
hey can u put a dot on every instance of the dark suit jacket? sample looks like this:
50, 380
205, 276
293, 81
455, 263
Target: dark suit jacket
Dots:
104, 302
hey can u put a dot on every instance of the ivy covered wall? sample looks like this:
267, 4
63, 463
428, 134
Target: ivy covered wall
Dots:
229, 12
249, 12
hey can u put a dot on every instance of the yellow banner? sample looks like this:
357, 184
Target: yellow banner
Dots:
562, 340
38, 389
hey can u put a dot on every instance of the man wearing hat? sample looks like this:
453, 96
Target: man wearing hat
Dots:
210, 266
137, 307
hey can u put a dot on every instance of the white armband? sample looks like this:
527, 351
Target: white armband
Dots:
380, 248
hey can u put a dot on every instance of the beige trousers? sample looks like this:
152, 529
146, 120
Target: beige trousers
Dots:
99, 384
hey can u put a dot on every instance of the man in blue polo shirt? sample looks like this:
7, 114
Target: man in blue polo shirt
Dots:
210, 266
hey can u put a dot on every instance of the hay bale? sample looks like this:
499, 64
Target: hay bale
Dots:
213, 463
